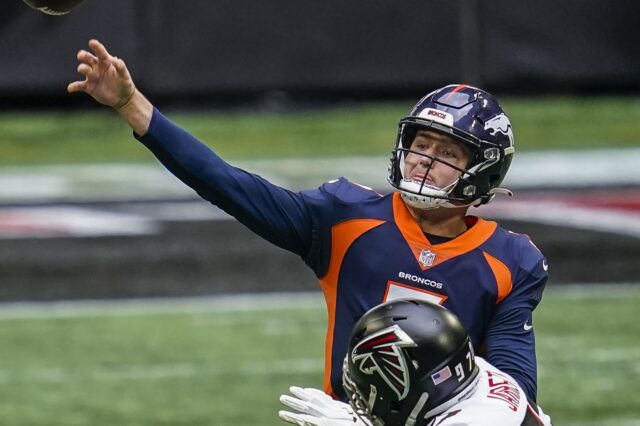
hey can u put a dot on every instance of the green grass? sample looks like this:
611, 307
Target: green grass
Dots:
174, 369
222, 366
589, 354
98, 135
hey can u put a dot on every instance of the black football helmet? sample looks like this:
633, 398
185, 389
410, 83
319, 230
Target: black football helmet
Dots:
408, 360
471, 116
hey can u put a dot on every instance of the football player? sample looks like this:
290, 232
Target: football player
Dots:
452, 152
411, 362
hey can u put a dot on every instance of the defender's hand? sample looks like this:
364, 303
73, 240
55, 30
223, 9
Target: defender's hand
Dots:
107, 78
315, 408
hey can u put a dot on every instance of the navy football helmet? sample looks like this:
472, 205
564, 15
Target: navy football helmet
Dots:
407, 361
474, 118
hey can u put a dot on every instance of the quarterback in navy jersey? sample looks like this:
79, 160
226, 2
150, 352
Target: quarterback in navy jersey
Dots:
452, 152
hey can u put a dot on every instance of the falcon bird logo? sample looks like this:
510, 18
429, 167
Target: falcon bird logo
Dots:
380, 354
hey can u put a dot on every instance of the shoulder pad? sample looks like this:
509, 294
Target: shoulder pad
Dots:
347, 191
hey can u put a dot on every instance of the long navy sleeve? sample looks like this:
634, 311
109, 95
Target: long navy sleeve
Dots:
276, 214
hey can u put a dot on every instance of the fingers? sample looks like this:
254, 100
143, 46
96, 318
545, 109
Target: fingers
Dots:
102, 56
299, 393
302, 419
84, 69
311, 395
77, 86
291, 418
88, 65
121, 68
99, 49
317, 393
294, 403
308, 394
86, 57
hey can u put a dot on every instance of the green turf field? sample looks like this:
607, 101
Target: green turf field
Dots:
217, 364
98, 135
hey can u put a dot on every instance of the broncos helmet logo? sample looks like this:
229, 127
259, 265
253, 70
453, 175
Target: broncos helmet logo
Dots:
500, 123
380, 354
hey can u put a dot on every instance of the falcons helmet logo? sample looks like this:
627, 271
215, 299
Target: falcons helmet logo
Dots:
380, 354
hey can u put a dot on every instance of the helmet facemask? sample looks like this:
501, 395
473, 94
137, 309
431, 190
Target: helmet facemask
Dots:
360, 406
420, 192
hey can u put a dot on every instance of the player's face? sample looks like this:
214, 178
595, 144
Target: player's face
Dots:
438, 146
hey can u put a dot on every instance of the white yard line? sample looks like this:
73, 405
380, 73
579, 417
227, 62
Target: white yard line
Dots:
609, 421
245, 303
172, 371
214, 304
579, 291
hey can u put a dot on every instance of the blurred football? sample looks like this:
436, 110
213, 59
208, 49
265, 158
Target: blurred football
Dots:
54, 7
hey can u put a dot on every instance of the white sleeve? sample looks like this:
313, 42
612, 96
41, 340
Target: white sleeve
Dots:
496, 400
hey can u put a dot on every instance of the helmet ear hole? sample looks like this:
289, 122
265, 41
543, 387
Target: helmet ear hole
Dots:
396, 319
362, 332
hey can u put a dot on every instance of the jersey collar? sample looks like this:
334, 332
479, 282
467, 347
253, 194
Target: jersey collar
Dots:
428, 255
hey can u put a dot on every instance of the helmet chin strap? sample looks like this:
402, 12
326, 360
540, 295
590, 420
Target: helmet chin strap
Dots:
423, 202
426, 197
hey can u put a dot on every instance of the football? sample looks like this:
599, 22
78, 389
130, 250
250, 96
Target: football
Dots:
54, 7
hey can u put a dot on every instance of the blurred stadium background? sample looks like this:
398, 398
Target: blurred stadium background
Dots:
124, 299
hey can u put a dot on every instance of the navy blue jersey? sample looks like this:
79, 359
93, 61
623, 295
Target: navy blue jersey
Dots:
365, 249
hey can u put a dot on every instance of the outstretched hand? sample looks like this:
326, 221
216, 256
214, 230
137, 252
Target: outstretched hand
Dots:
312, 407
107, 78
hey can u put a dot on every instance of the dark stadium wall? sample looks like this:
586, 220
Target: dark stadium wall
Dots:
380, 47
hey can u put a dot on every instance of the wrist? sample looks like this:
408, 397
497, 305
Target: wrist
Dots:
137, 112
126, 102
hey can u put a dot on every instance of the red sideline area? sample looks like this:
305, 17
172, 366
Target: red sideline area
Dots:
619, 200
614, 211
607, 210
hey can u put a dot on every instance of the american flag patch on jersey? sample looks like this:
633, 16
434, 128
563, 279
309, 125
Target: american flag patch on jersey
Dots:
440, 376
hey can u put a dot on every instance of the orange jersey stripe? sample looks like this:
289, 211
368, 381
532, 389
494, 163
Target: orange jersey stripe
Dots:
342, 236
502, 274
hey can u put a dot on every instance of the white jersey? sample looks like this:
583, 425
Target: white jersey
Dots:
496, 400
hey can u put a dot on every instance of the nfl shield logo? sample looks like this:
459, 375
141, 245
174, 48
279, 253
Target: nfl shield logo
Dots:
426, 257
